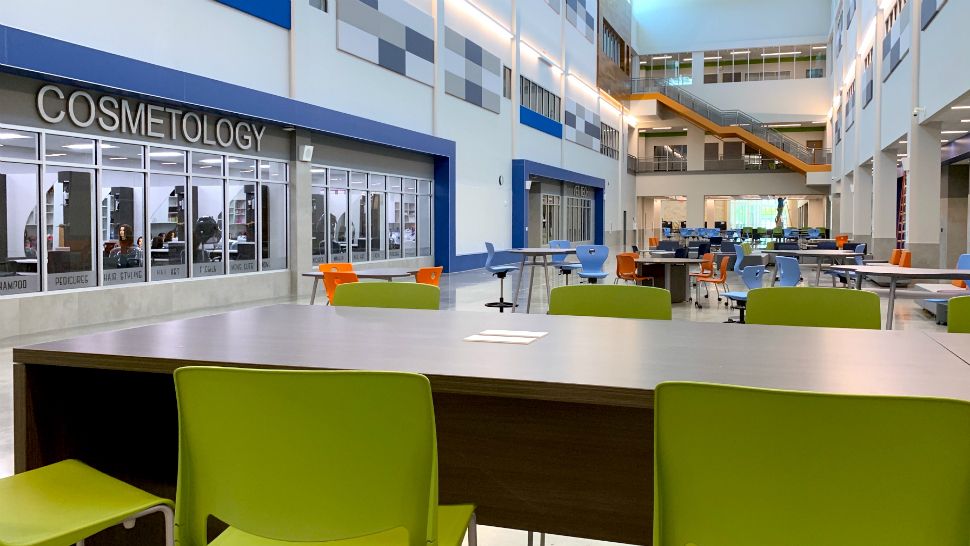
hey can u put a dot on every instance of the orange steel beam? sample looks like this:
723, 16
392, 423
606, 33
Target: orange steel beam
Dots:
791, 161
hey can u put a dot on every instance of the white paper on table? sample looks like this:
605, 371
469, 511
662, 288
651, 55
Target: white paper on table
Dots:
501, 339
513, 333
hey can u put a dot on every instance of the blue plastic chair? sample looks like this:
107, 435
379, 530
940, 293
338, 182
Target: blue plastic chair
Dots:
814, 233
846, 276
827, 245
666, 232
752, 277
789, 271
738, 258
791, 233
592, 258
499, 271
559, 260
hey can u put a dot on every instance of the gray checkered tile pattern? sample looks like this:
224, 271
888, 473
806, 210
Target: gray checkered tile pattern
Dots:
556, 5
390, 33
896, 44
472, 73
582, 15
582, 125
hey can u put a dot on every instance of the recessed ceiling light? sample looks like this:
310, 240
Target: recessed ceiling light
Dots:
165, 154
79, 146
169, 163
781, 53
960, 108
56, 155
786, 125
116, 158
903, 141
318, 171
965, 121
211, 161
712, 58
662, 128
952, 132
745, 52
11, 136
819, 47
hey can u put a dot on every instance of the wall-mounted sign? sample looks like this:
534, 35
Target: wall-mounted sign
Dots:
582, 191
120, 115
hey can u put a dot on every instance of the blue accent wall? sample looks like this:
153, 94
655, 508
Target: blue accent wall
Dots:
274, 11
522, 169
539, 122
38, 56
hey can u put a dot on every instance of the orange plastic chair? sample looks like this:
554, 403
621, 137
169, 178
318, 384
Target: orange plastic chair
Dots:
894, 257
707, 266
719, 280
626, 268
336, 266
840, 241
333, 278
653, 242
429, 275
905, 259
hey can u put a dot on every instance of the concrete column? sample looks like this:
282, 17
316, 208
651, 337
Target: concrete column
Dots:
301, 235
883, 204
845, 207
835, 224
923, 226
862, 205
953, 213
697, 68
695, 209
695, 148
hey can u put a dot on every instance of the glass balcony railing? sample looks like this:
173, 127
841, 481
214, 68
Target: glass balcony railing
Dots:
731, 118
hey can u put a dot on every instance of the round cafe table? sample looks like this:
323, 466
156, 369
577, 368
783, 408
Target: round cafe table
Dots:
535, 254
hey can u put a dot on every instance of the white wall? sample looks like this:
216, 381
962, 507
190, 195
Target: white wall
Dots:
692, 25
944, 67
196, 36
897, 96
771, 101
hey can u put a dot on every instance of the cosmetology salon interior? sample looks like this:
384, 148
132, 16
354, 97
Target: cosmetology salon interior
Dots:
268, 269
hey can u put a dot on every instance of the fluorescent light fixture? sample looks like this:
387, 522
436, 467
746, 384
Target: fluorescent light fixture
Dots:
169, 163
643, 63
164, 154
11, 136
745, 52
247, 171
232, 160
960, 108
498, 27
211, 161
785, 125
662, 128
117, 158
900, 155
819, 47
943, 141
206, 167
965, 121
717, 58
662, 58
1, 145
823, 122
318, 171
904, 142
56, 155
264, 166
79, 146
780, 53
952, 132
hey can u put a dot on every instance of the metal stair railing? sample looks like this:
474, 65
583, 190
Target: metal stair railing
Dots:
726, 118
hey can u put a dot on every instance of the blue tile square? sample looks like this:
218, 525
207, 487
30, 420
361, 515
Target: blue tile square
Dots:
473, 93
570, 119
391, 57
473, 52
418, 44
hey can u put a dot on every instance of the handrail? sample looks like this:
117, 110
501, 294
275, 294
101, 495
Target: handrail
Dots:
726, 118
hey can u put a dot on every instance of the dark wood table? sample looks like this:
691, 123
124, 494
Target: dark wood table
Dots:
669, 273
555, 436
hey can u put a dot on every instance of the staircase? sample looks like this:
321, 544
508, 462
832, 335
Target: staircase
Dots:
732, 123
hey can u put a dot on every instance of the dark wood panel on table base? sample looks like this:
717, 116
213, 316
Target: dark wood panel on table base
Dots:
521, 472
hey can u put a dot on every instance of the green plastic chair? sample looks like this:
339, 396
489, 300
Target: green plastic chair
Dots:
814, 306
398, 295
759, 467
68, 501
593, 300
310, 457
958, 315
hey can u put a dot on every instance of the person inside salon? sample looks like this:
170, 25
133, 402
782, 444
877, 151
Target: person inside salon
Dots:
126, 253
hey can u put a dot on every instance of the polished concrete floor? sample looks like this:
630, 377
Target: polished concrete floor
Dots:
466, 291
